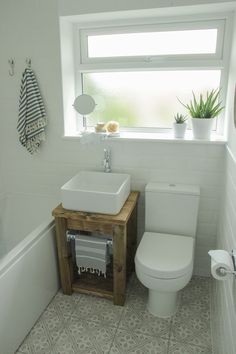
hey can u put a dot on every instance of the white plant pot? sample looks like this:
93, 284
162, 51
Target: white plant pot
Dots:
179, 130
202, 128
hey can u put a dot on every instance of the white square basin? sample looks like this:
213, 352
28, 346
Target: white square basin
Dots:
96, 192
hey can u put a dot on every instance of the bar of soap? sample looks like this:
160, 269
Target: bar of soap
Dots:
112, 126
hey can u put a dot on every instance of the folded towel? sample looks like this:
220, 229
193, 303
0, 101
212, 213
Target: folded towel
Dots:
32, 115
92, 264
90, 241
91, 254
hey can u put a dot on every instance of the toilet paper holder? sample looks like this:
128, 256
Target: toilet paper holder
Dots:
224, 271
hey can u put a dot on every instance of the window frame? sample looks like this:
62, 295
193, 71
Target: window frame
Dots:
218, 60
198, 25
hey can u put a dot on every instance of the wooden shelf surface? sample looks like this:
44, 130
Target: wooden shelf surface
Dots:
121, 218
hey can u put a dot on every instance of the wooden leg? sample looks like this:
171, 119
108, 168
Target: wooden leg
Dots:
64, 256
131, 241
119, 264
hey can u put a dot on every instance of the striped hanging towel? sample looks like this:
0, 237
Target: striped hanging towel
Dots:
32, 116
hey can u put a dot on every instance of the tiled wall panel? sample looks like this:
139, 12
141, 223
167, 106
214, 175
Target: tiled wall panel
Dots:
144, 161
224, 292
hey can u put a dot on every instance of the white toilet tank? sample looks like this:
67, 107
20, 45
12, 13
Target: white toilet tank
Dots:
171, 208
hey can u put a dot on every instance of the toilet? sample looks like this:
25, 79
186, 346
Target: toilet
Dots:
165, 255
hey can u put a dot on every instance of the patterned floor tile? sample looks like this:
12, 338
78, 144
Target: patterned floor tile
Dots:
141, 321
90, 337
134, 286
65, 304
136, 316
191, 324
37, 342
191, 329
184, 348
192, 310
198, 289
24, 348
82, 324
47, 330
65, 344
98, 310
137, 343
36, 345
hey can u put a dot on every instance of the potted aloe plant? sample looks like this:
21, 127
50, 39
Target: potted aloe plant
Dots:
180, 125
203, 111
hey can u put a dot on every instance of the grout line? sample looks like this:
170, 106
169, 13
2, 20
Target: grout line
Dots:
113, 339
118, 324
211, 313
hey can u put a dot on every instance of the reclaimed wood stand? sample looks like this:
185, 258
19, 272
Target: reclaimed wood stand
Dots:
123, 230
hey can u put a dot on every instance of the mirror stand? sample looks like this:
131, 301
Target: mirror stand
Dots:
85, 123
84, 104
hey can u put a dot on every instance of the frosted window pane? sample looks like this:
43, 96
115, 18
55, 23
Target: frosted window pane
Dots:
146, 98
153, 43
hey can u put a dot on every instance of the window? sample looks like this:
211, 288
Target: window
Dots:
145, 99
152, 43
200, 39
138, 73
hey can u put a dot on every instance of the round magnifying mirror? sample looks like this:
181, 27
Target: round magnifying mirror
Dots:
84, 104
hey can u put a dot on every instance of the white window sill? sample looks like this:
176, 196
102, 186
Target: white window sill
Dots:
160, 137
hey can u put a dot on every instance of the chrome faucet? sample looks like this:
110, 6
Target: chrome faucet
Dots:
107, 160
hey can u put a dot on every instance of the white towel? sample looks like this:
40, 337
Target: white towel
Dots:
91, 253
32, 115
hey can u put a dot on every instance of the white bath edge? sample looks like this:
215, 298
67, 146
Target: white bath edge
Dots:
24, 246
29, 271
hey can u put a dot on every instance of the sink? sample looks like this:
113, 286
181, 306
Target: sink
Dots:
96, 192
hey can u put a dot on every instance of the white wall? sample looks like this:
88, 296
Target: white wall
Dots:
224, 293
30, 29
74, 7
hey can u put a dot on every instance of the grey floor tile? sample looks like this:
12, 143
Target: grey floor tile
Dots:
141, 321
127, 341
191, 324
191, 329
136, 316
66, 344
184, 348
134, 286
65, 347
65, 304
98, 310
88, 336
38, 341
83, 324
198, 288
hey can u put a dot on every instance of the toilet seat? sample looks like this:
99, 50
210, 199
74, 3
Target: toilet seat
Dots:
165, 256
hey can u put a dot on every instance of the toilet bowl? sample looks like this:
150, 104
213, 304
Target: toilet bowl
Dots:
164, 260
164, 264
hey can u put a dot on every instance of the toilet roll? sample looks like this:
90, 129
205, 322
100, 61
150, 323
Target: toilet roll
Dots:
221, 259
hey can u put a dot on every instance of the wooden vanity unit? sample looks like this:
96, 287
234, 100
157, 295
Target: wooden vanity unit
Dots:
123, 230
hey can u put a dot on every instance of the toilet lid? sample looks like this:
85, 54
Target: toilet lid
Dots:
165, 256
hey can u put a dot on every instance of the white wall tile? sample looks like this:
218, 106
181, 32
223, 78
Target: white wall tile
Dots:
224, 293
59, 159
